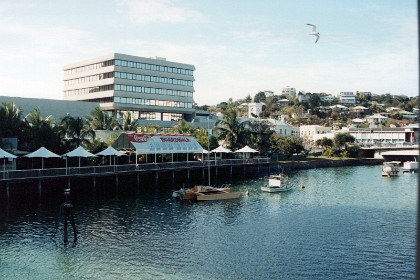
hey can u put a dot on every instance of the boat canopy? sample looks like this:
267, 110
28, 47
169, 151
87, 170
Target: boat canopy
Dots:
164, 144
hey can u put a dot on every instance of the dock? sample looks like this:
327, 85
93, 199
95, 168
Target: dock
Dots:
177, 171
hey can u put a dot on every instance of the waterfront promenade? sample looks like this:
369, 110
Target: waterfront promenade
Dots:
187, 169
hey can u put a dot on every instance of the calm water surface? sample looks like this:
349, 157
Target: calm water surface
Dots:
348, 223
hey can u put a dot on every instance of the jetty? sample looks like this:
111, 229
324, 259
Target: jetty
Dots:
186, 170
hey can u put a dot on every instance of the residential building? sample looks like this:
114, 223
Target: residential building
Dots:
289, 92
151, 89
281, 127
311, 133
255, 109
303, 97
347, 97
327, 98
376, 119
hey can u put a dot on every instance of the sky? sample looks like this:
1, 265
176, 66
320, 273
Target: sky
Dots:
238, 47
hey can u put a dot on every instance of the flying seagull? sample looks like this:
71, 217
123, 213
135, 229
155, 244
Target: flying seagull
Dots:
314, 32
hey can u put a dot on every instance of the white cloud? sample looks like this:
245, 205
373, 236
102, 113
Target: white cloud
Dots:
149, 11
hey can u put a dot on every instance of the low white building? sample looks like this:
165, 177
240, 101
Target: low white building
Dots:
254, 109
311, 133
383, 135
281, 127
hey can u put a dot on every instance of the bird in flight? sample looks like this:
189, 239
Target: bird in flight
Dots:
314, 32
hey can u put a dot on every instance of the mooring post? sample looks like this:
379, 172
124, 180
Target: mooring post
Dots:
173, 177
138, 180
244, 171
68, 214
39, 187
202, 176
156, 178
188, 176
8, 190
94, 183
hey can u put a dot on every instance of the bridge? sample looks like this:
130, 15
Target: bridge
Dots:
377, 150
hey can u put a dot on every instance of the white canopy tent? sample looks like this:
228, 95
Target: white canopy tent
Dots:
110, 151
221, 150
4, 155
78, 152
42, 153
163, 144
246, 150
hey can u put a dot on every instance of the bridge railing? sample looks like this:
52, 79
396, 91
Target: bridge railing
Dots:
104, 169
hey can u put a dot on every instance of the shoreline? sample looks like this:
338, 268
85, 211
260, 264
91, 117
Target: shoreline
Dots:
325, 163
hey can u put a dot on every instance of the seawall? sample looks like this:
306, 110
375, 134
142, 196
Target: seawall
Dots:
324, 163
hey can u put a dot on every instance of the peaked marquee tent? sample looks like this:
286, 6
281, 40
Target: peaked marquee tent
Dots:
4, 155
110, 151
42, 153
246, 150
78, 152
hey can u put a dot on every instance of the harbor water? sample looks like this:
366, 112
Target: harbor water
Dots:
346, 223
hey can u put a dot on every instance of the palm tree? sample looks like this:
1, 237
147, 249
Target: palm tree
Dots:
11, 123
150, 128
75, 132
183, 128
40, 131
129, 123
101, 120
233, 132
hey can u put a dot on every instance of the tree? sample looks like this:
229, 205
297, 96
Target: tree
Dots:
260, 134
260, 97
340, 139
324, 142
182, 128
41, 132
101, 120
75, 132
11, 123
286, 146
232, 131
150, 128
203, 138
129, 123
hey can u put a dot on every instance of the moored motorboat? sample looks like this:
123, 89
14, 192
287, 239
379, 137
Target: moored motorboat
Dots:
410, 166
390, 168
277, 183
205, 193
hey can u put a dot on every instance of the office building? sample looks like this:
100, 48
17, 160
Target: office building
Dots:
151, 89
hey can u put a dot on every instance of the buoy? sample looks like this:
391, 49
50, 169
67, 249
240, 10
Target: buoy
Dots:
302, 186
247, 193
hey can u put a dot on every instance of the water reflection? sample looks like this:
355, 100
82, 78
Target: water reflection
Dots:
346, 223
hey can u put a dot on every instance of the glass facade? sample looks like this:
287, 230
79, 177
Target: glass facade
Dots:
152, 102
153, 67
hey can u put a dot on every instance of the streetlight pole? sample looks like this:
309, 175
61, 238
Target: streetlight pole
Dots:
208, 147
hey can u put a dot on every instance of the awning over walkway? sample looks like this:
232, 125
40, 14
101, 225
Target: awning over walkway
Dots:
164, 144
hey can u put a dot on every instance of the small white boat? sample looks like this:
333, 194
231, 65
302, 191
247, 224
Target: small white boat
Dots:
410, 166
390, 168
277, 183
